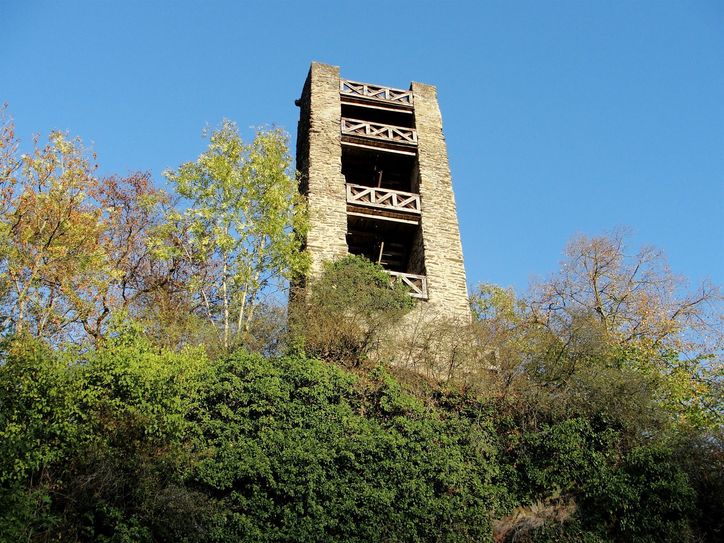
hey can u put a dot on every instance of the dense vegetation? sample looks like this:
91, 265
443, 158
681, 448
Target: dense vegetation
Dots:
129, 442
150, 392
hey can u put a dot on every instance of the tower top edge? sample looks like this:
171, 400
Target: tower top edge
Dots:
323, 66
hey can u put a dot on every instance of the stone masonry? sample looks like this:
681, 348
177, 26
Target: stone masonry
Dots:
444, 267
319, 161
436, 250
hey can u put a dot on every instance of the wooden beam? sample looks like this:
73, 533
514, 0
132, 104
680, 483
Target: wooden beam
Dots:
363, 102
386, 148
379, 216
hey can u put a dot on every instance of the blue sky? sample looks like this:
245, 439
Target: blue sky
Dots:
561, 117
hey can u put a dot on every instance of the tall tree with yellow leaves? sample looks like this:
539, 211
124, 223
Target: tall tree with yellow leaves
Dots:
239, 228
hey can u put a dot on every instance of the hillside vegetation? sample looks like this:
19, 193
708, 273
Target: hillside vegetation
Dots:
151, 390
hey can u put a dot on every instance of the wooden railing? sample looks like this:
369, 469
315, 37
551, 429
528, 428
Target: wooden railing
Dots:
384, 132
417, 284
375, 92
396, 200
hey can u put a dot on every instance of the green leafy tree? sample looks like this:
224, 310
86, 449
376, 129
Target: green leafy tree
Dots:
240, 225
349, 310
131, 443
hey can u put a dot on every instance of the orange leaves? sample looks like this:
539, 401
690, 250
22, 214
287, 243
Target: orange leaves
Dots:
69, 241
634, 296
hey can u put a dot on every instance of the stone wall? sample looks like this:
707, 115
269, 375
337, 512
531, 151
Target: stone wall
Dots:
437, 250
447, 285
319, 161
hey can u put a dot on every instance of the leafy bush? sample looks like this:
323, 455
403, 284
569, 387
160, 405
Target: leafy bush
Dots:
94, 446
641, 495
129, 443
349, 310
647, 499
301, 451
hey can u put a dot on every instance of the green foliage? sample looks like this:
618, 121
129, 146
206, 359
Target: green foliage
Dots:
638, 495
129, 443
647, 499
242, 228
490, 302
362, 287
700, 456
606, 374
349, 310
94, 446
590, 409
558, 458
301, 451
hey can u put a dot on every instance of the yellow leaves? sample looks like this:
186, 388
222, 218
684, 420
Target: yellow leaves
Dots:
491, 301
238, 225
635, 296
55, 244
612, 324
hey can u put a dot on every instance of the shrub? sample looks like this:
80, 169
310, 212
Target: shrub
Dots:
94, 446
302, 451
131, 443
647, 499
349, 310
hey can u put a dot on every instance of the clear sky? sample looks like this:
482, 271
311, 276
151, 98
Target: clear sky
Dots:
560, 117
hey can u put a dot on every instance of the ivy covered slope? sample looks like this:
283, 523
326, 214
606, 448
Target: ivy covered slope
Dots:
129, 443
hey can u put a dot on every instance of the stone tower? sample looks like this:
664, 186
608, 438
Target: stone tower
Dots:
375, 172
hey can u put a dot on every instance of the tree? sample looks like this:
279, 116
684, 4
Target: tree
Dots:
635, 297
241, 227
130, 208
52, 240
133, 443
601, 368
349, 310
637, 306
9, 161
72, 245
612, 333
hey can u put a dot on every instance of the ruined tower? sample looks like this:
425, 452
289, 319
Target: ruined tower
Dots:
375, 172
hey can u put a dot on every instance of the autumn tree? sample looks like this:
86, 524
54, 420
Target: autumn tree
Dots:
52, 238
238, 227
9, 159
607, 394
9, 165
634, 296
131, 211
612, 332
72, 245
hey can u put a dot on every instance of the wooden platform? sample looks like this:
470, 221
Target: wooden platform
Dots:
376, 93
